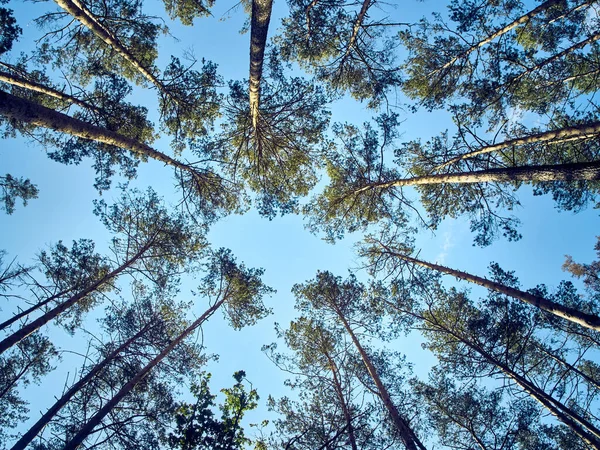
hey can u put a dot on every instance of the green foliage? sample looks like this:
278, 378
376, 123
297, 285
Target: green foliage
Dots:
321, 37
467, 415
78, 50
196, 426
191, 103
29, 362
14, 188
167, 243
187, 10
488, 79
356, 163
278, 160
9, 30
241, 287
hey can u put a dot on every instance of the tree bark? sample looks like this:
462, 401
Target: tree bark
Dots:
27, 111
523, 19
26, 330
87, 19
589, 171
259, 27
575, 132
338, 390
28, 311
16, 80
408, 436
593, 38
566, 415
356, 28
30, 435
88, 428
571, 314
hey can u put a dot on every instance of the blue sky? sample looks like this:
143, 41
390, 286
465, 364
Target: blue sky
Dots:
287, 252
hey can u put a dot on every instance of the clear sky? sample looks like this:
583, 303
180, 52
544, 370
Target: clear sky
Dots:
287, 252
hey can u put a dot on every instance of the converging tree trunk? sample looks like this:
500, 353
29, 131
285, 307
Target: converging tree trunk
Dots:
259, 27
571, 314
22, 443
22, 82
589, 171
35, 114
337, 385
521, 20
568, 133
26, 330
579, 424
408, 436
88, 428
87, 19
356, 28
33, 308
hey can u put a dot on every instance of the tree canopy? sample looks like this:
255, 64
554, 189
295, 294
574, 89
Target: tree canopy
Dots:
151, 147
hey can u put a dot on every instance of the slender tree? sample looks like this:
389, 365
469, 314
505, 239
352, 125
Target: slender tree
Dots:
259, 27
152, 242
342, 299
239, 290
582, 318
474, 341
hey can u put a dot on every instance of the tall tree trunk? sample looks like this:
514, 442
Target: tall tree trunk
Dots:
87, 19
35, 307
259, 27
591, 381
593, 38
338, 390
568, 133
581, 426
30, 112
356, 28
22, 82
26, 330
521, 20
557, 172
408, 436
571, 314
22, 443
88, 428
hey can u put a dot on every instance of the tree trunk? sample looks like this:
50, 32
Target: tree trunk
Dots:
593, 38
87, 19
338, 390
27, 111
523, 19
259, 27
573, 315
581, 426
408, 436
26, 330
589, 171
574, 132
88, 428
556, 408
35, 307
356, 28
16, 80
22, 443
